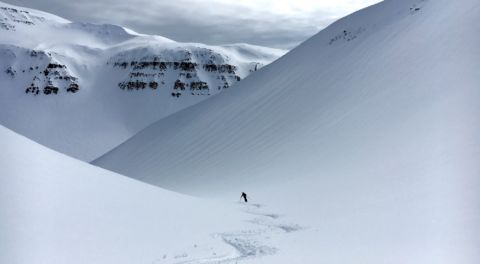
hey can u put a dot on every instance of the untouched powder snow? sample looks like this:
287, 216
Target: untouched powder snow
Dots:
83, 88
367, 134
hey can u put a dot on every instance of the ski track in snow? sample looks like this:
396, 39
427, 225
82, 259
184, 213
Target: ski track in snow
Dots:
249, 243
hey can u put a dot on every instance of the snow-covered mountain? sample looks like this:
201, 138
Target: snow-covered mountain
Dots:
368, 131
84, 88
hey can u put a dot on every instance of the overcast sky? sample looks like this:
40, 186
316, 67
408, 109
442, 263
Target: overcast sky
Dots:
274, 23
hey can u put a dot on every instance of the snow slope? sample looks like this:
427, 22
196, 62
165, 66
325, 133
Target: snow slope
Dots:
55, 209
367, 133
83, 88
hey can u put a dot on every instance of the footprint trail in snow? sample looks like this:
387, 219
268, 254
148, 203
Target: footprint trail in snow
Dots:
251, 243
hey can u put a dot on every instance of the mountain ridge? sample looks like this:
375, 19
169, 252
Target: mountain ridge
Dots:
117, 81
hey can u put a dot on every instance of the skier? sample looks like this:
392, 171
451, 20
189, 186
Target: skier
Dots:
244, 196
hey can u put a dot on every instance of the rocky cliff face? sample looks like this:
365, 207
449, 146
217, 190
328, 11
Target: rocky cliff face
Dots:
46, 76
200, 72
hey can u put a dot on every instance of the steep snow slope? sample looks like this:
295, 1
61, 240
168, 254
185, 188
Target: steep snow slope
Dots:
368, 132
55, 209
82, 88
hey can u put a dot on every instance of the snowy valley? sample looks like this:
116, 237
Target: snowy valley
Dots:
358, 146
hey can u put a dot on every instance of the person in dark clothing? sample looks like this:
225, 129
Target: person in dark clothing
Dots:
244, 196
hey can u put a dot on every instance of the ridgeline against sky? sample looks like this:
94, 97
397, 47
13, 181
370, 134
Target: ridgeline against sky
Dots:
280, 24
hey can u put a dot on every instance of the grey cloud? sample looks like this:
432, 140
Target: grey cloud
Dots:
190, 21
